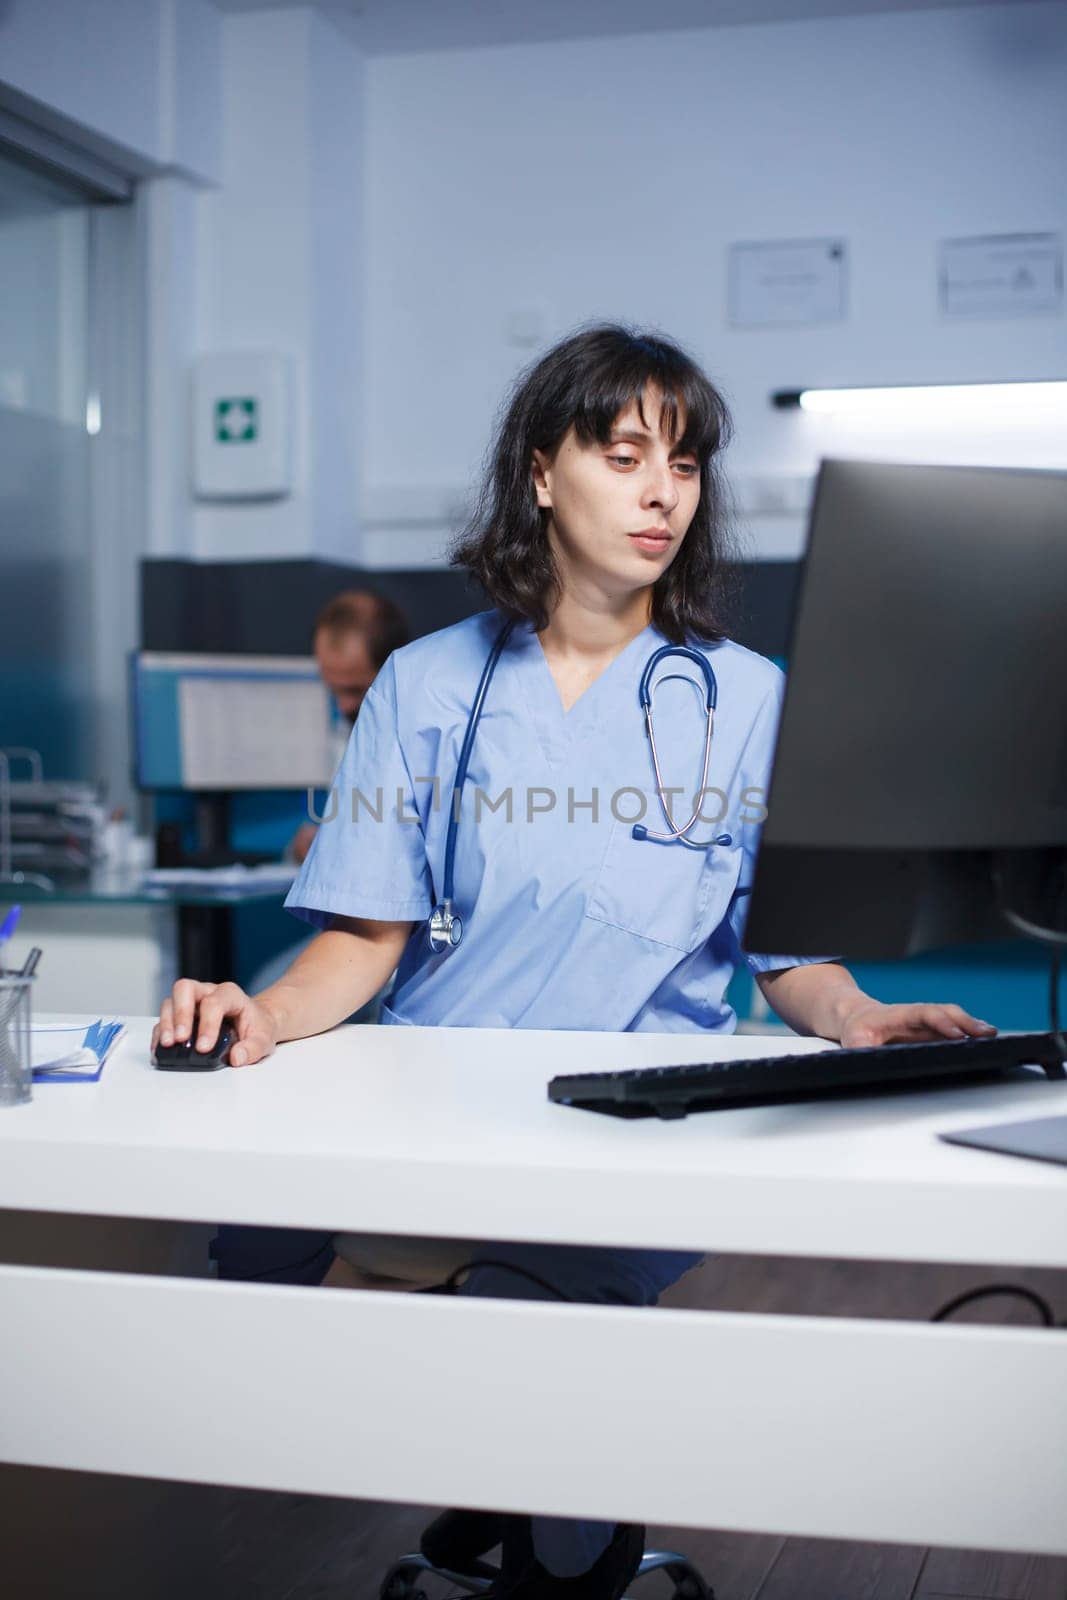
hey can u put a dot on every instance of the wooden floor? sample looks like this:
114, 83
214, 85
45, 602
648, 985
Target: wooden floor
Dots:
65, 1536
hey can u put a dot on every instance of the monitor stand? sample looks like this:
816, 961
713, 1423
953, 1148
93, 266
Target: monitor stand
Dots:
213, 847
212, 833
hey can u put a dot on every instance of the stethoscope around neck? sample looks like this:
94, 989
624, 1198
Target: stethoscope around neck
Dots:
711, 700
446, 925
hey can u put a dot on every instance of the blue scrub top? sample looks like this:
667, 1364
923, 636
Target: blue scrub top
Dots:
568, 922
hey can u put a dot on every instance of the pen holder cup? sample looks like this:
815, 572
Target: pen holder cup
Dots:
16, 1058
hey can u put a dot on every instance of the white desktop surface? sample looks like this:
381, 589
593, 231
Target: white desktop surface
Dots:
820, 1426
449, 1131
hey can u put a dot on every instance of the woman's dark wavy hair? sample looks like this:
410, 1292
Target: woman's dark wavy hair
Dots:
585, 382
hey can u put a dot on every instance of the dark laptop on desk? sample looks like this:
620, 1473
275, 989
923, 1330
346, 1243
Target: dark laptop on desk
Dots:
919, 794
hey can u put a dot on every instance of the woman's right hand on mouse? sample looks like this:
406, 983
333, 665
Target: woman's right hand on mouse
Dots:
257, 1030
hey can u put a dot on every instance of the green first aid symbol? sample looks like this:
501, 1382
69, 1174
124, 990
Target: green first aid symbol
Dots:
236, 421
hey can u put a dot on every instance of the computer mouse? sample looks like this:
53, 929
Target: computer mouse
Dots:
181, 1057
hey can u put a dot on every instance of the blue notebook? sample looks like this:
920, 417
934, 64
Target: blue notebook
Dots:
71, 1052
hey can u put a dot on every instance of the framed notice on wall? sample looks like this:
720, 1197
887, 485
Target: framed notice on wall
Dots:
787, 282
1001, 275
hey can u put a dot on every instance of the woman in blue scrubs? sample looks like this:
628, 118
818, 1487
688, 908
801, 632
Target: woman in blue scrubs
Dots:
600, 537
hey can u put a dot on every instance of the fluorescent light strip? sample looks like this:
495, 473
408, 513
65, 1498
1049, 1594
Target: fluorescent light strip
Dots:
938, 399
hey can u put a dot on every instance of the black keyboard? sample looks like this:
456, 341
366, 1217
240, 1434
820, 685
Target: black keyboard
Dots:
718, 1085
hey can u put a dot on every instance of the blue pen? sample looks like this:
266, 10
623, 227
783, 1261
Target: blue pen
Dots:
10, 923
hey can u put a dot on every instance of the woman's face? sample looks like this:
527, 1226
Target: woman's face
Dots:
618, 512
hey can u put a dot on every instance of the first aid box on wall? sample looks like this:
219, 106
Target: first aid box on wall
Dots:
242, 426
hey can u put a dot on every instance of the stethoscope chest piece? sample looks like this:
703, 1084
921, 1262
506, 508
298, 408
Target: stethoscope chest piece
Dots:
446, 928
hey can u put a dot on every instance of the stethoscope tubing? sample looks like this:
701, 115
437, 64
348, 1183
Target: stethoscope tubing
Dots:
445, 928
465, 755
646, 693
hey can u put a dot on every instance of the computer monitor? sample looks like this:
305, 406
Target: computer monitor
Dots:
920, 774
226, 723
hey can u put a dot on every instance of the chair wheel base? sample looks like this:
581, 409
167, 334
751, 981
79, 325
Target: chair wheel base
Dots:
688, 1583
401, 1581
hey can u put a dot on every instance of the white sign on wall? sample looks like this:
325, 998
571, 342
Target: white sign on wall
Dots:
241, 426
1001, 275
786, 282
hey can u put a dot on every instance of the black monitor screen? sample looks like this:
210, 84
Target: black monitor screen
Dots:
920, 774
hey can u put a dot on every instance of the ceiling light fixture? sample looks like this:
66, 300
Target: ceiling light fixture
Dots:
944, 400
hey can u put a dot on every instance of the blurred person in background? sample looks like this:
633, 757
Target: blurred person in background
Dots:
354, 635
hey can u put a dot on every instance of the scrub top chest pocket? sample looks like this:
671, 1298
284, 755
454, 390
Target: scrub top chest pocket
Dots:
667, 893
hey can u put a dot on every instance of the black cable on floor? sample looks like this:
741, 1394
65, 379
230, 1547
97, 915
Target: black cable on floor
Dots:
1040, 1304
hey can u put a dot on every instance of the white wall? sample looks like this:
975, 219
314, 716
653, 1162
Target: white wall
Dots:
606, 178
336, 269
170, 215
381, 220
256, 288
249, 131
141, 75
280, 269
97, 64
191, 67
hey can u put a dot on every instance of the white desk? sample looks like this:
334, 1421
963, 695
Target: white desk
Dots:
797, 1425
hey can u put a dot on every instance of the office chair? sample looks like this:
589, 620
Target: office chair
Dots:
441, 1543
401, 1582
